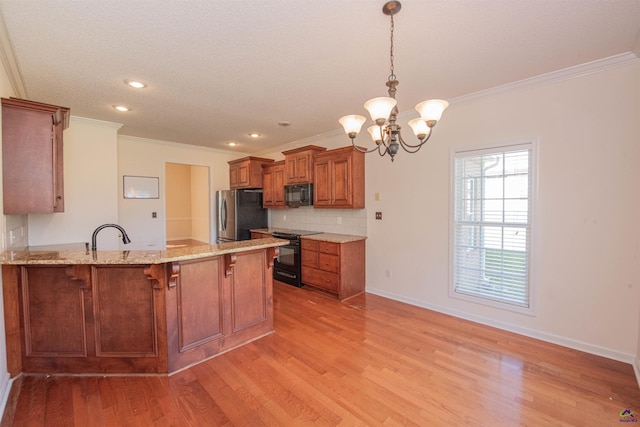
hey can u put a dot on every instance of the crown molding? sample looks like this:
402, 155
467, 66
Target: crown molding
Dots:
9, 62
96, 122
615, 61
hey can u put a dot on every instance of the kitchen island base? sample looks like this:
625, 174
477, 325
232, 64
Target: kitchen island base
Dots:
130, 318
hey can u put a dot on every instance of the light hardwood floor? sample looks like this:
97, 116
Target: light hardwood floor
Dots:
365, 362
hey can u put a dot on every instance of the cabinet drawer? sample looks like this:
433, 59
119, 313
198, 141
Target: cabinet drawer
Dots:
329, 247
311, 245
309, 258
328, 262
321, 279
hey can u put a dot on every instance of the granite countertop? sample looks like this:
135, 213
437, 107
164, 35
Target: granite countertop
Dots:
76, 254
327, 237
334, 237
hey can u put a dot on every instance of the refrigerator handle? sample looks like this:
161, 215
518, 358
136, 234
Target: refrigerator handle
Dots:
224, 215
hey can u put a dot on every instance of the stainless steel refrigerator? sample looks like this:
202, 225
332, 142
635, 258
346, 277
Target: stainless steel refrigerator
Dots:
238, 212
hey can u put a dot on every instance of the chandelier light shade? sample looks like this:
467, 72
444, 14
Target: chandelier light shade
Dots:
384, 111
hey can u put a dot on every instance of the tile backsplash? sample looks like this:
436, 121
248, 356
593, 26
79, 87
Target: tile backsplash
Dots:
342, 221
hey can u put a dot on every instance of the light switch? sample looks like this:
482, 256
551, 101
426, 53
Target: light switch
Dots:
378, 215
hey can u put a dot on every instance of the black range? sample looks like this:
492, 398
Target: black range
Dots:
288, 265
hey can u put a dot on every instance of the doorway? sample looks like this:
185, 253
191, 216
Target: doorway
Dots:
187, 205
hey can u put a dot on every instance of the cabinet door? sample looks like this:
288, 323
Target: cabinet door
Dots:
298, 170
268, 196
200, 303
302, 168
243, 174
322, 182
342, 194
278, 185
291, 169
27, 162
54, 311
58, 169
233, 176
32, 156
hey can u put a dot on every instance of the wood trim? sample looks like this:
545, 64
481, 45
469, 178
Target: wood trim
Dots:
229, 263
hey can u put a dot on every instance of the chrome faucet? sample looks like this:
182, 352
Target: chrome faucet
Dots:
94, 244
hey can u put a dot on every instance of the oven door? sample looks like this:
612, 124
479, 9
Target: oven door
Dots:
287, 265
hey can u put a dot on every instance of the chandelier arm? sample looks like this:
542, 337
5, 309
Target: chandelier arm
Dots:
361, 150
417, 146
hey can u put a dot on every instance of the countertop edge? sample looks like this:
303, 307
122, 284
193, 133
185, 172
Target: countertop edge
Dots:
138, 257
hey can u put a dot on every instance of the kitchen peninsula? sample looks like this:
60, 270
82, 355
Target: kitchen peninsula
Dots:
70, 310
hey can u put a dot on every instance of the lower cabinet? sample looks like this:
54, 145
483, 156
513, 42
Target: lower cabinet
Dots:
135, 318
217, 306
73, 317
337, 268
258, 235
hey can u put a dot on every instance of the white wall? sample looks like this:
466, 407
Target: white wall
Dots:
585, 266
90, 188
586, 269
201, 199
145, 157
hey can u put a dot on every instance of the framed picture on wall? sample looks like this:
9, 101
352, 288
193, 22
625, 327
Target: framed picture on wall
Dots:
140, 187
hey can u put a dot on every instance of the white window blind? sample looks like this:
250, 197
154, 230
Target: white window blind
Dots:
492, 224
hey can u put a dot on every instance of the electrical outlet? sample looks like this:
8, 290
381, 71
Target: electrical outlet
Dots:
154, 214
339, 220
378, 215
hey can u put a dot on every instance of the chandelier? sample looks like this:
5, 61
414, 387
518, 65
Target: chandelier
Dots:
384, 111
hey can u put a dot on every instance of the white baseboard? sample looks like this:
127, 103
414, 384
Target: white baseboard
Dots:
636, 370
555, 339
5, 388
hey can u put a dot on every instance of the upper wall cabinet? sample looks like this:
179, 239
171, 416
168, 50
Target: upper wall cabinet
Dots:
32, 161
246, 172
299, 164
338, 177
273, 185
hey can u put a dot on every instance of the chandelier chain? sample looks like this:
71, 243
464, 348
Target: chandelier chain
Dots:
392, 75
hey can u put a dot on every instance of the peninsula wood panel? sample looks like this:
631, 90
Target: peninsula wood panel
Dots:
249, 285
53, 306
124, 312
200, 308
132, 318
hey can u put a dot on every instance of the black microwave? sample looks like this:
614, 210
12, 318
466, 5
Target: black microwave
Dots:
298, 195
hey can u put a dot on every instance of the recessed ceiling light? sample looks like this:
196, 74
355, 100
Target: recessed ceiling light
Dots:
137, 85
232, 144
121, 108
284, 123
254, 135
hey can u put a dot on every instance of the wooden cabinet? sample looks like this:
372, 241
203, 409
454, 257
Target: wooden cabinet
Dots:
299, 164
32, 160
216, 304
273, 185
79, 316
337, 268
338, 179
256, 235
246, 172
120, 318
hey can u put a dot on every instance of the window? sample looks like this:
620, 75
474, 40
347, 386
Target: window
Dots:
492, 225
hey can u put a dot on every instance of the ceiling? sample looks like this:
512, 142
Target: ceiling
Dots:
218, 70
